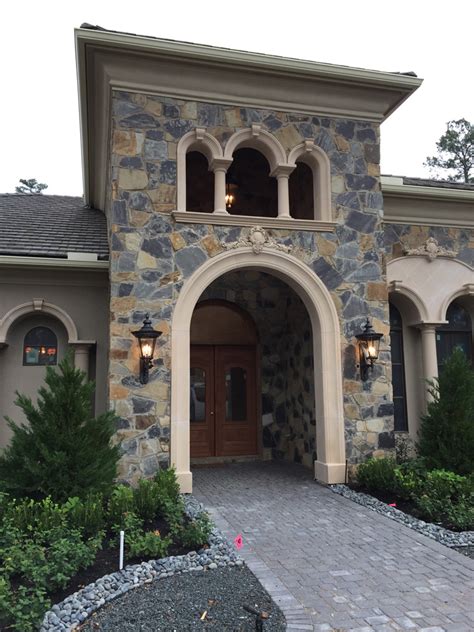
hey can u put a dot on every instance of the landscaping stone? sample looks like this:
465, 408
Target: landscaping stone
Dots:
76, 608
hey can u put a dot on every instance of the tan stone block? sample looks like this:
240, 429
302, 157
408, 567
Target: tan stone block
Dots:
118, 277
154, 107
142, 422
366, 242
361, 426
163, 326
373, 170
172, 277
165, 421
144, 260
139, 218
172, 151
165, 194
381, 388
177, 241
377, 291
148, 447
350, 386
381, 327
122, 303
164, 208
326, 248
338, 184
133, 241
375, 425
351, 411
289, 136
189, 110
117, 391
132, 179
123, 408
212, 246
124, 143
118, 354
139, 99
233, 118
372, 439
341, 143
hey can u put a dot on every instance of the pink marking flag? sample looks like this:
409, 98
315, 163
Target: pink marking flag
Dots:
238, 541
392, 504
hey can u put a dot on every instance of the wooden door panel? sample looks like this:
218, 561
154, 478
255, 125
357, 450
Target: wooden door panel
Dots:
235, 395
202, 426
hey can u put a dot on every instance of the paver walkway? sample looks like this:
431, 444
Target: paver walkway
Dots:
332, 564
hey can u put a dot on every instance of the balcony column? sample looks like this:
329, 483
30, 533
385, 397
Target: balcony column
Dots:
429, 356
282, 174
219, 166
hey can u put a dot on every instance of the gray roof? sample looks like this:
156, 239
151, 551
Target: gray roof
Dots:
50, 226
443, 184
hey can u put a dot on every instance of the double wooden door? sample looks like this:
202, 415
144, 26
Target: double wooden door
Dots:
223, 406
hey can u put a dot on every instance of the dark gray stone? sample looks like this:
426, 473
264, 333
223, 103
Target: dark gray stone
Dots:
125, 289
156, 149
372, 153
142, 405
354, 307
331, 278
131, 162
124, 108
127, 262
367, 272
140, 202
189, 259
159, 247
168, 172
386, 440
178, 127
170, 111
138, 121
362, 222
385, 410
155, 134
345, 129
349, 199
366, 135
360, 183
119, 212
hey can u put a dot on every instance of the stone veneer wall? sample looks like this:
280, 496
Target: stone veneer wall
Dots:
400, 236
151, 256
286, 359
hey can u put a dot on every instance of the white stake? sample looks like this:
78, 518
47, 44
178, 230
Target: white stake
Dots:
122, 534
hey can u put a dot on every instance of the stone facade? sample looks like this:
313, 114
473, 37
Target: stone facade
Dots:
152, 255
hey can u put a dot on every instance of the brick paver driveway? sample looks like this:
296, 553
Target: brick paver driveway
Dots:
330, 563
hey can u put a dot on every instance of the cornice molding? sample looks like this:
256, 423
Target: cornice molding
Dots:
13, 261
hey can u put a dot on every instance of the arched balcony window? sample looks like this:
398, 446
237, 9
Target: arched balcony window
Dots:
302, 192
456, 333
248, 181
199, 183
398, 370
40, 347
252, 177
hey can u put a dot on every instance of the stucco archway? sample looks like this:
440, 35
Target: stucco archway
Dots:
330, 466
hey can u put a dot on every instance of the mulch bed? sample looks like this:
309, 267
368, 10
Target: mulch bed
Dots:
210, 600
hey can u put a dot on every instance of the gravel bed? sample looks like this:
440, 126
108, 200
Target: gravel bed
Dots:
461, 540
178, 603
75, 609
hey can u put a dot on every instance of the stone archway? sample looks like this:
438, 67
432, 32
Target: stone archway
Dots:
330, 466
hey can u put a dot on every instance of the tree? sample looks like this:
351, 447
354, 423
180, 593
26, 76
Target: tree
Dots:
31, 186
446, 437
455, 151
63, 451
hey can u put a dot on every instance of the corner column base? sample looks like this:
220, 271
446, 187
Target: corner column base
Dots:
329, 473
185, 480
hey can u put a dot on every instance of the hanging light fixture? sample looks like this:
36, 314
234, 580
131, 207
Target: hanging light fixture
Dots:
230, 190
147, 337
369, 344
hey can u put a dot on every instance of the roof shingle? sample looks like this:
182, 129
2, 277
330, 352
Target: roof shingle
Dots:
50, 226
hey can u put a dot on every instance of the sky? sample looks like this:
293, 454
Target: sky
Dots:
39, 105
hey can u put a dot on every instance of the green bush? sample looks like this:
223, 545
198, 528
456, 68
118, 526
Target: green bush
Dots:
149, 544
447, 497
446, 437
410, 478
147, 500
168, 484
63, 451
196, 533
120, 503
87, 514
378, 475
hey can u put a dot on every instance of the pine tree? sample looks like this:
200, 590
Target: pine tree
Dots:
63, 451
446, 438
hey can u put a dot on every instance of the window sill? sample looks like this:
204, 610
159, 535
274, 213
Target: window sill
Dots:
192, 217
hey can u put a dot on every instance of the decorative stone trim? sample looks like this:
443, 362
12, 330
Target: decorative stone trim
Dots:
75, 609
430, 249
192, 217
433, 531
258, 239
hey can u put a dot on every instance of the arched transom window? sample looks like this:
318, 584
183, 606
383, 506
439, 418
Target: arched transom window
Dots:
40, 347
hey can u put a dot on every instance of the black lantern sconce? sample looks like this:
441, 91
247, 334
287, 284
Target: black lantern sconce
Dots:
369, 343
231, 187
147, 337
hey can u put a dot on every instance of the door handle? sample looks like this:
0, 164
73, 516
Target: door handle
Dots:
212, 412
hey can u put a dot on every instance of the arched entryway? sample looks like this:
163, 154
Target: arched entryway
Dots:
330, 464
223, 375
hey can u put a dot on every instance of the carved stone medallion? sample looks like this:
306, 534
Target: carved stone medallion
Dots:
430, 249
258, 239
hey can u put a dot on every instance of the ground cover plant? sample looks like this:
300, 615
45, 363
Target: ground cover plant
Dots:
60, 512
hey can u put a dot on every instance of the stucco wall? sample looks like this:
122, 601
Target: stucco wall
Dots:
152, 255
83, 295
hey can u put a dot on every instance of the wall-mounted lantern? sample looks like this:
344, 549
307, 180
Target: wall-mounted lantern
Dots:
147, 337
369, 342
230, 191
